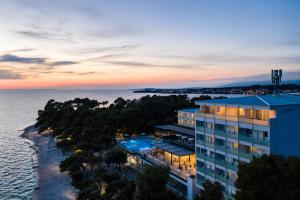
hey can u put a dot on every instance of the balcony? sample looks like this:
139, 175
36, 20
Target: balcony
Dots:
220, 177
232, 166
232, 151
232, 135
220, 162
201, 142
200, 128
251, 139
247, 155
220, 147
245, 138
210, 145
261, 141
220, 132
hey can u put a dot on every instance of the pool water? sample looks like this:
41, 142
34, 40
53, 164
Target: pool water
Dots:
137, 145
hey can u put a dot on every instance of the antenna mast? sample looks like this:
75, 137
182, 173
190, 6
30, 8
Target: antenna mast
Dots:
276, 80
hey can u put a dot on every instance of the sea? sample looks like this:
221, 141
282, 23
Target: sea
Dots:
18, 110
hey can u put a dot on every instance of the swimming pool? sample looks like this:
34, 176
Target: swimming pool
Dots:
138, 144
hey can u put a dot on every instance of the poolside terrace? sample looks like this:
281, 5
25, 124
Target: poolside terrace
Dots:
180, 160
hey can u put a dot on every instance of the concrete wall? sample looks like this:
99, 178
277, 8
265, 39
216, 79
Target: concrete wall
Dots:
285, 131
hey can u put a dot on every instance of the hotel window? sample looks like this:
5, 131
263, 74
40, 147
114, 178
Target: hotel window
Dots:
210, 139
199, 137
232, 129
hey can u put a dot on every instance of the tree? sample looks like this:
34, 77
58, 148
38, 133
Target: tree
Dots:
269, 177
151, 184
126, 193
115, 156
212, 191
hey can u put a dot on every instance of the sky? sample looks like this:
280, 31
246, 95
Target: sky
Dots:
143, 43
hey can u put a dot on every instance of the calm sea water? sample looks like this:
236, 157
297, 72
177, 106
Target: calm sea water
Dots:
18, 109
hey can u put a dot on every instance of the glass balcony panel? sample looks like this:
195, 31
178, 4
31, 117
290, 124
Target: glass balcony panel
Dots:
245, 138
261, 141
220, 162
210, 173
261, 122
246, 155
220, 132
209, 115
201, 142
232, 166
232, 135
221, 178
221, 117
209, 145
220, 147
246, 120
232, 151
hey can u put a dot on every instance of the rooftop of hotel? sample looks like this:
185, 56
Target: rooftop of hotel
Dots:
189, 110
263, 100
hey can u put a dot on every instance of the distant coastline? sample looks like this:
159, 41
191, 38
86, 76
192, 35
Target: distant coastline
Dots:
241, 90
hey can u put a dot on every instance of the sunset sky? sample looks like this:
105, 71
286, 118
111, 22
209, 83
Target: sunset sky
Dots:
143, 43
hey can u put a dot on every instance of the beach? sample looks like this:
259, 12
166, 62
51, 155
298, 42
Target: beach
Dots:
51, 183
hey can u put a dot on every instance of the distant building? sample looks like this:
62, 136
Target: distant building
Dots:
234, 130
186, 117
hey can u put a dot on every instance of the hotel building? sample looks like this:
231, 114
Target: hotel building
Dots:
234, 130
186, 117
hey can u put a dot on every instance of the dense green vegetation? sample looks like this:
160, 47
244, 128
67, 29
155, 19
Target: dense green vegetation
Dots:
269, 177
88, 129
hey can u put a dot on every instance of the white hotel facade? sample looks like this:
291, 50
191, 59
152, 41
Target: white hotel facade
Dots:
233, 130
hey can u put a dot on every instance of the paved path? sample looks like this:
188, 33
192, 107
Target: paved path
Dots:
52, 184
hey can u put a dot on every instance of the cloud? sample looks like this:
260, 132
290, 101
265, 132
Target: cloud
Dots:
116, 32
5, 74
18, 59
21, 50
108, 49
42, 34
150, 65
35, 60
236, 58
61, 63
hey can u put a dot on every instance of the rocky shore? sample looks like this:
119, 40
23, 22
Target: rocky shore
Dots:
51, 183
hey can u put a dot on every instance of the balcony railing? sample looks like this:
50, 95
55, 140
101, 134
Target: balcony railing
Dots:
220, 147
232, 135
220, 132
247, 155
200, 128
232, 166
261, 141
242, 119
232, 151
207, 144
251, 139
220, 177
220, 162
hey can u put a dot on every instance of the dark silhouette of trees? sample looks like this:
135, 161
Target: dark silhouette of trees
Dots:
151, 184
212, 191
115, 156
269, 177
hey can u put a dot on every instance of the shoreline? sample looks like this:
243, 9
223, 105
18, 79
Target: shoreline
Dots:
50, 182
